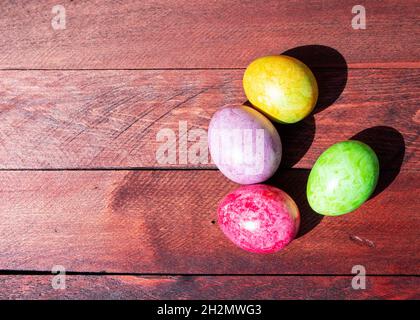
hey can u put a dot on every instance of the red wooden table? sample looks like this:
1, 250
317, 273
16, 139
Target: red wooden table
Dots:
80, 110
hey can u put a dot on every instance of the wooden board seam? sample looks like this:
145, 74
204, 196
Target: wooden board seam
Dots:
415, 65
169, 275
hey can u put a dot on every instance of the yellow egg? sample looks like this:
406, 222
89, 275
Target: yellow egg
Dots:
282, 87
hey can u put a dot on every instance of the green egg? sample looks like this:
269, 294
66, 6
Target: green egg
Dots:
343, 178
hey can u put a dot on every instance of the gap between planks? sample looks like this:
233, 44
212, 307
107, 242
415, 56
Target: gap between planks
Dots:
414, 65
169, 275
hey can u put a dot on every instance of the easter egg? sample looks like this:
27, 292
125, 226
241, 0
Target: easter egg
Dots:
282, 87
259, 218
343, 178
244, 144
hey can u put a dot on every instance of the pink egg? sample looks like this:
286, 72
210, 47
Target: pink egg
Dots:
259, 218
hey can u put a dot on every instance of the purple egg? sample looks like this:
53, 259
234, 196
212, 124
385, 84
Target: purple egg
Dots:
244, 144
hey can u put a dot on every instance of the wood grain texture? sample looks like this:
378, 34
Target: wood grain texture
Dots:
90, 119
95, 95
209, 287
202, 34
164, 222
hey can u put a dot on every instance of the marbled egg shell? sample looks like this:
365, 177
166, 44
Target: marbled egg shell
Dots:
244, 144
343, 178
282, 87
259, 218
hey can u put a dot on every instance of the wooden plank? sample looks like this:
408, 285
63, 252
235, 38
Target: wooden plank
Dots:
209, 287
163, 222
202, 34
90, 119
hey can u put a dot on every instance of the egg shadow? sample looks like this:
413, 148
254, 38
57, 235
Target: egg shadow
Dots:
329, 68
293, 182
296, 140
388, 144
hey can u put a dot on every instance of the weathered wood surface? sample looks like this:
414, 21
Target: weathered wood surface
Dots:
202, 34
85, 114
163, 222
91, 119
209, 287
